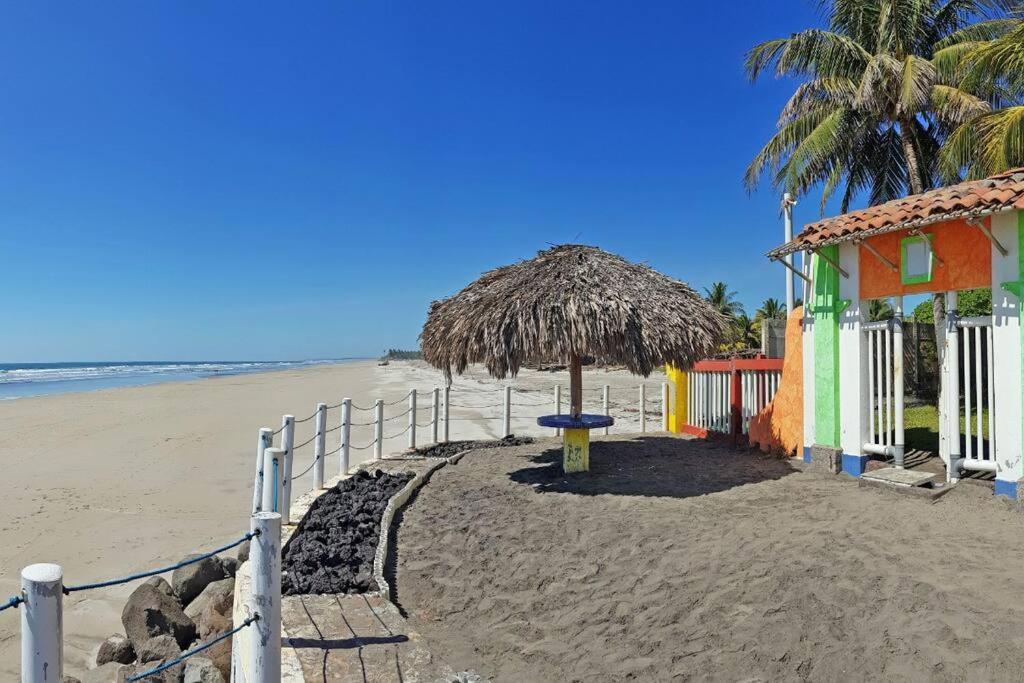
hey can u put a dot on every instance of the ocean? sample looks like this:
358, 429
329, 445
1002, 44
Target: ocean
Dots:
20, 380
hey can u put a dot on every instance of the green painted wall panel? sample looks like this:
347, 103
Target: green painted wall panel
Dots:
826, 307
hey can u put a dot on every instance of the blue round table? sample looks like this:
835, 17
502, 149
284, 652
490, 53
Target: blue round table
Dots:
576, 442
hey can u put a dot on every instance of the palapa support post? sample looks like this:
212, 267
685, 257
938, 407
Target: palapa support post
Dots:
263, 442
558, 405
412, 419
320, 446
433, 415
506, 415
42, 623
273, 464
447, 407
265, 555
288, 448
378, 430
346, 434
643, 408
664, 406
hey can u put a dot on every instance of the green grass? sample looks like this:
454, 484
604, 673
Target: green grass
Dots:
921, 426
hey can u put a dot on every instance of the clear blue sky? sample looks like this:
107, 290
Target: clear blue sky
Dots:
198, 180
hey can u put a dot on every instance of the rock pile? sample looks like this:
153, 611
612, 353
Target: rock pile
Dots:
447, 450
333, 548
161, 620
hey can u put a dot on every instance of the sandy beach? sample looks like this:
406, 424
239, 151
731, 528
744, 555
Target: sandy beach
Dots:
110, 482
683, 560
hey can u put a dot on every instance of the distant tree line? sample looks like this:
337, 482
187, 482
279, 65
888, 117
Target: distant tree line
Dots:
399, 354
744, 331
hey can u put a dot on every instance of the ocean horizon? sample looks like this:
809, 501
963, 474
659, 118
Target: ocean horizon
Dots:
23, 380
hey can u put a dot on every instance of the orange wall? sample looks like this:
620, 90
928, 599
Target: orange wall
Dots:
780, 426
965, 251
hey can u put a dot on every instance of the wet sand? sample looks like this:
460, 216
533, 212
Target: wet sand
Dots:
111, 482
680, 560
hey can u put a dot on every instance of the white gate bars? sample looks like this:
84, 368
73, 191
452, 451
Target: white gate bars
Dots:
976, 366
885, 389
709, 400
759, 388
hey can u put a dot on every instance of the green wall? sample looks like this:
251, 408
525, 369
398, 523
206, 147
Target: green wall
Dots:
826, 307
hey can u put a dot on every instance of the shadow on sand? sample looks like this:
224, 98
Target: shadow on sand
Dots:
653, 466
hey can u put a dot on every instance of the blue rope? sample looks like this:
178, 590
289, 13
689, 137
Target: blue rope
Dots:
13, 602
185, 655
276, 479
153, 572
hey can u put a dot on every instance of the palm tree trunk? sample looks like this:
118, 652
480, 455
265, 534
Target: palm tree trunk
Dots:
910, 156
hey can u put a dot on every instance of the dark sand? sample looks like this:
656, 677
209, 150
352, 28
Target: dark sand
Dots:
678, 560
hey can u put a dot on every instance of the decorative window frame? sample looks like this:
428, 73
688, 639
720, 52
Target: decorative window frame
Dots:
909, 278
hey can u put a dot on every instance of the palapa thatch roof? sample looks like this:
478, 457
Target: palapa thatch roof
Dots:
571, 299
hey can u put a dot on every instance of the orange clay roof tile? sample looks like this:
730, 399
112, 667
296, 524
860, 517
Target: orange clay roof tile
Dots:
973, 198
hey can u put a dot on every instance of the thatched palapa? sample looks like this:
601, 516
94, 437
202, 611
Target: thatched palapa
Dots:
568, 302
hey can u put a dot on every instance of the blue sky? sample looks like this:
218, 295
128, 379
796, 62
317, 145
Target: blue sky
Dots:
222, 180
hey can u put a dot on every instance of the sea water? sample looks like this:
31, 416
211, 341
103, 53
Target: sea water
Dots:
19, 380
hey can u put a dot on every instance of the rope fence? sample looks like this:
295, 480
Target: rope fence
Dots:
13, 602
194, 651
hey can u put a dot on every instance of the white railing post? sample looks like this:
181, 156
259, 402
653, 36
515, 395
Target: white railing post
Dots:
506, 418
320, 446
558, 405
412, 419
447, 412
378, 429
42, 623
897, 373
346, 434
273, 467
288, 446
643, 408
265, 441
433, 414
664, 406
951, 388
265, 555
604, 402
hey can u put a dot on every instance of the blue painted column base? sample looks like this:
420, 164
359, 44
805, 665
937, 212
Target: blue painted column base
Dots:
855, 464
807, 453
1010, 489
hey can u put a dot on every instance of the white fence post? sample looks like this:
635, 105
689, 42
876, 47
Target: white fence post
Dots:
412, 419
346, 433
506, 419
378, 429
643, 408
265, 555
433, 415
320, 446
664, 406
447, 405
42, 623
558, 405
899, 439
288, 446
265, 441
273, 467
604, 400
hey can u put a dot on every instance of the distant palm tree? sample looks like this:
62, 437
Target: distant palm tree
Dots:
880, 309
771, 309
746, 332
724, 300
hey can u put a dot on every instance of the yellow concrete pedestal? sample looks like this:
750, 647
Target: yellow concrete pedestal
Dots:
576, 450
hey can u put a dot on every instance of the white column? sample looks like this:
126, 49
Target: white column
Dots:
898, 388
1005, 357
506, 419
447, 414
951, 388
412, 418
643, 408
434, 414
265, 555
807, 341
604, 402
346, 435
287, 445
42, 624
853, 358
378, 429
273, 468
664, 406
320, 446
263, 442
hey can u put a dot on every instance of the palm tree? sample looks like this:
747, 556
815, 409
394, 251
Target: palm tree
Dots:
880, 309
771, 309
885, 84
746, 332
723, 300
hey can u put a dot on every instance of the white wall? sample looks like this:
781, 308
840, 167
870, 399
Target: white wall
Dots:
808, 362
853, 386
1007, 342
